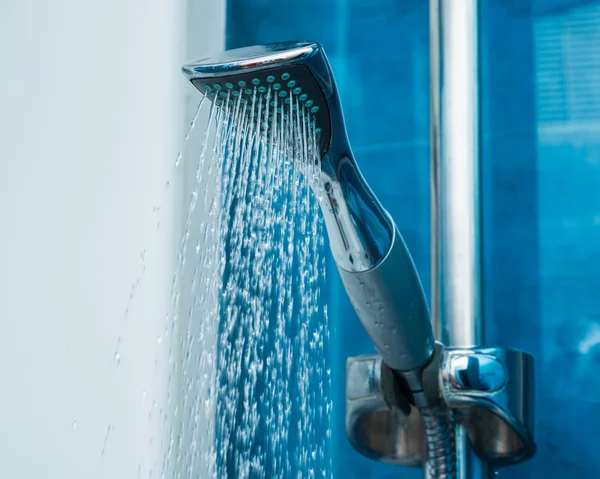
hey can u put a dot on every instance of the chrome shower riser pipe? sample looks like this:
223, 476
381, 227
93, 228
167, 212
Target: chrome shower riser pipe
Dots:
455, 216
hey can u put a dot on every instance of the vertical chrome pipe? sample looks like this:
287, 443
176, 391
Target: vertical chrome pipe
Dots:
455, 216
455, 172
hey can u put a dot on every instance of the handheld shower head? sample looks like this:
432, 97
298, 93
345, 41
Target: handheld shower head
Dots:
374, 263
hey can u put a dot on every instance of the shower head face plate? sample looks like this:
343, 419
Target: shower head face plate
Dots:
296, 72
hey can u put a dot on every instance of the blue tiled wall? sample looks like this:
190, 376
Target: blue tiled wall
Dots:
540, 97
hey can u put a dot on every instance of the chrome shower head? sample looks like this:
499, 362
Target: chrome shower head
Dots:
374, 264
289, 70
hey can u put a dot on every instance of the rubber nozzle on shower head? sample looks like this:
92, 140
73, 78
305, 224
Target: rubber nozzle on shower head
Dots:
374, 263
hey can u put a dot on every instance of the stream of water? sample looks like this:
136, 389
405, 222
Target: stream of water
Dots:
249, 394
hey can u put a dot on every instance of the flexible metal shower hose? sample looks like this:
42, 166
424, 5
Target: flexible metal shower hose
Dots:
441, 454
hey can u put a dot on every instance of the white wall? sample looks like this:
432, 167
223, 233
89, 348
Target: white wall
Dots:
92, 113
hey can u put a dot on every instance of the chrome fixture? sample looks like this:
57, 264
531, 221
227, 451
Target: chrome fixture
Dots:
373, 261
489, 389
416, 400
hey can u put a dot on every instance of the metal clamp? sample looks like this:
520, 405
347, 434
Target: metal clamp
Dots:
490, 391
374, 430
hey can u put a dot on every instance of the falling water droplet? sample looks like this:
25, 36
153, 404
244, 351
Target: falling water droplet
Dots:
106, 438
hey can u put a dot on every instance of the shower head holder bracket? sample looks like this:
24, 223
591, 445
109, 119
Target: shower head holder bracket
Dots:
489, 390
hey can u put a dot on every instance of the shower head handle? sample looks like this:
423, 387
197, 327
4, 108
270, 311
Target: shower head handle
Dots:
375, 266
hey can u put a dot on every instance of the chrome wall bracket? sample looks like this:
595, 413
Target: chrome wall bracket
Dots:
489, 390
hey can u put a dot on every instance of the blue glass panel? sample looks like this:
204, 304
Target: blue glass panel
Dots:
540, 98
